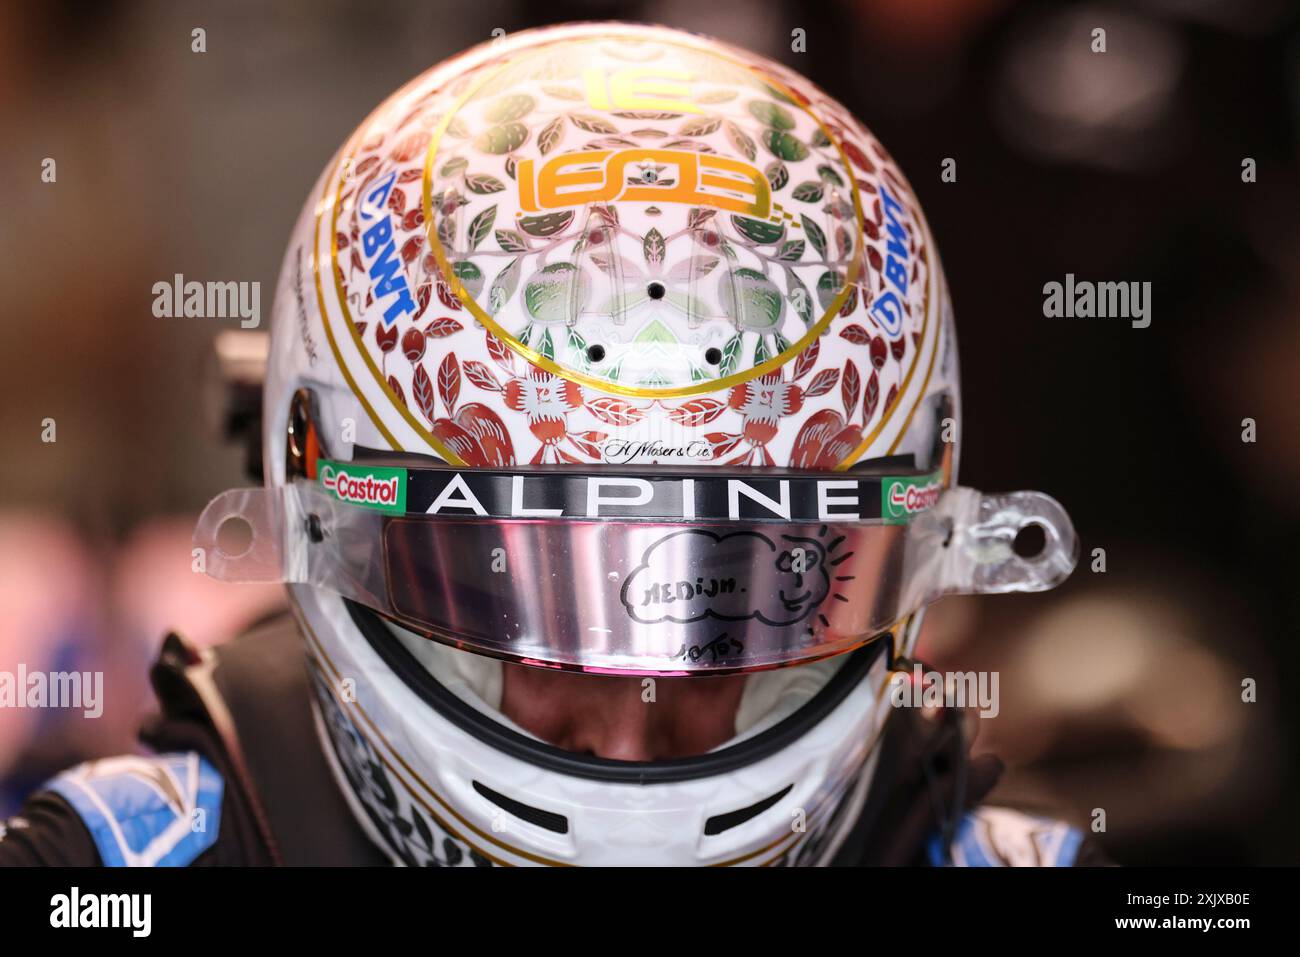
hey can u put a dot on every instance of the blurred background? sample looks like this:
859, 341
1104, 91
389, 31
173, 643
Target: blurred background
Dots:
1120, 690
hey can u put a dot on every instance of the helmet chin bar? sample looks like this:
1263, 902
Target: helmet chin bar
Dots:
619, 595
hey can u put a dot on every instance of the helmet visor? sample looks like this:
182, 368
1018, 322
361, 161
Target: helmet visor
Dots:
665, 573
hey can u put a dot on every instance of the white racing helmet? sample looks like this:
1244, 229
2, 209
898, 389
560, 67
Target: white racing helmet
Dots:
617, 350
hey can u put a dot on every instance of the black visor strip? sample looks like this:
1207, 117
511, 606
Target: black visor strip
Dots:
699, 495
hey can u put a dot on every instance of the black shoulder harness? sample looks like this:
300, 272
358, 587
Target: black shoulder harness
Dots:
250, 697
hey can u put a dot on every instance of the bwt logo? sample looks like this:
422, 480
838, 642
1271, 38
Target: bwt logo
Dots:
888, 307
645, 175
381, 251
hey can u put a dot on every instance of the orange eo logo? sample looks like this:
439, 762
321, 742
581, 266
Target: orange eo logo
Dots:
374, 487
645, 175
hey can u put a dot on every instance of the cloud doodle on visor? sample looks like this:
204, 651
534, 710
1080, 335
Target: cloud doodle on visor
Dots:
731, 576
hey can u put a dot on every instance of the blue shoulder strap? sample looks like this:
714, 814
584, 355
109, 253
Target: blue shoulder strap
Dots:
146, 811
1001, 837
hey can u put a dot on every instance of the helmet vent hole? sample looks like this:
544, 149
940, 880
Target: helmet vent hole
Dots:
655, 290
1030, 541
725, 822
595, 353
234, 536
713, 356
549, 820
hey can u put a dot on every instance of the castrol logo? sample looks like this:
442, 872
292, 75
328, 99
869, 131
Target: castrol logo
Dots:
379, 488
915, 498
904, 497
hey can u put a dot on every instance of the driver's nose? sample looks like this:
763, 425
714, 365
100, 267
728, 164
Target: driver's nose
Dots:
624, 718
